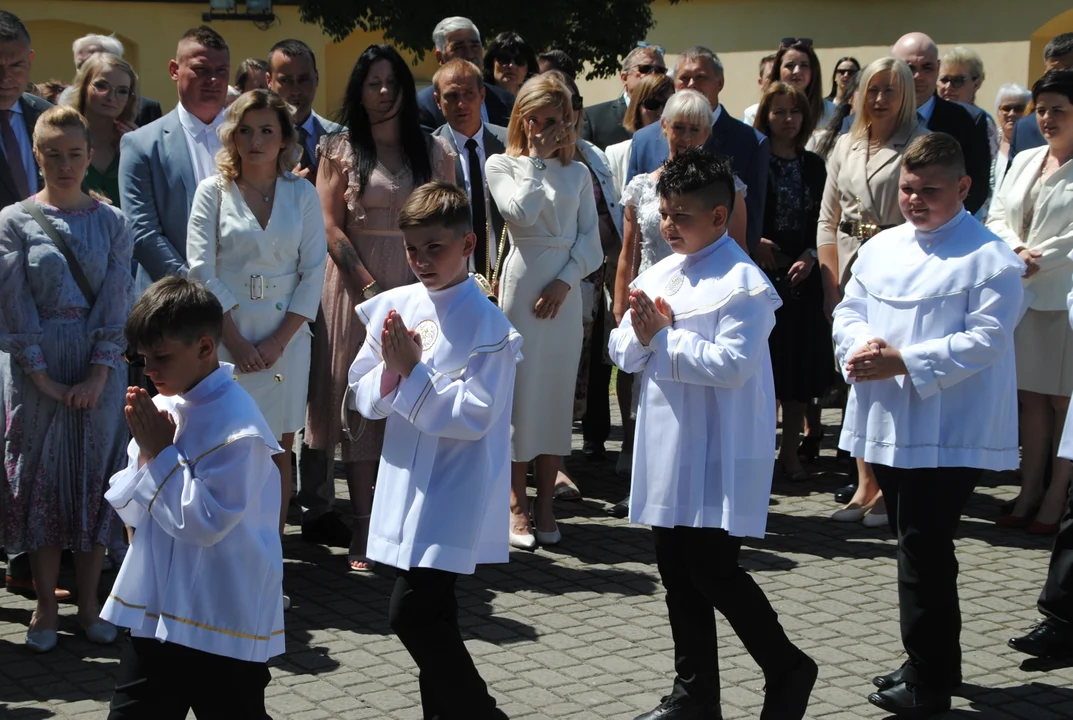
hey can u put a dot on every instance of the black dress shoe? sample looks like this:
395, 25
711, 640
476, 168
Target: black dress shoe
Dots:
621, 509
911, 701
1049, 638
593, 451
329, 529
671, 708
787, 697
844, 494
886, 682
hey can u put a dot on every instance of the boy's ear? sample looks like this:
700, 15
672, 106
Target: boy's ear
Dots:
469, 244
206, 347
963, 187
720, 216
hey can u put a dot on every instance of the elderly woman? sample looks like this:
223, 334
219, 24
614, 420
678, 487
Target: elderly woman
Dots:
509, 62
1033, 212
860, 199
1011, 101
647, 100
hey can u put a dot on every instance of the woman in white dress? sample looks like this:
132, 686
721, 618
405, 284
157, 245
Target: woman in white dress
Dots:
548, 204
649, 97
256, 240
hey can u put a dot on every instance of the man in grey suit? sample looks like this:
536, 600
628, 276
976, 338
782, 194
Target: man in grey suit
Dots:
292, 74
161, 164
602, 125
459, 91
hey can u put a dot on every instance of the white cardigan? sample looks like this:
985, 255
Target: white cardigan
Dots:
1051, 231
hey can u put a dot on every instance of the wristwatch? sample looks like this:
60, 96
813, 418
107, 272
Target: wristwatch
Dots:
538, 163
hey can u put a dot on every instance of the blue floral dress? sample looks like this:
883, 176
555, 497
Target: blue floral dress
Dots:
57, 460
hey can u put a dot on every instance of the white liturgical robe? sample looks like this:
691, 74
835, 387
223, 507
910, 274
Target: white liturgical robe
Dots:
443, 489
1065, 448
949, 301
205, 569
705, 443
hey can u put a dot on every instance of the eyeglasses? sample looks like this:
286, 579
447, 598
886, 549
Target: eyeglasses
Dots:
653, 104
649, 68
104, 88
788, 41
657, 48
848, 72
577, 102
955, 81
505, 58
1018, 108
133, 359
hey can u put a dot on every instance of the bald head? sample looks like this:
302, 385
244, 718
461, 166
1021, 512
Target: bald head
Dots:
921, 54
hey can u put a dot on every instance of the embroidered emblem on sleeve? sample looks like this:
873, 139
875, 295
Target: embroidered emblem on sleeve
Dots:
429, 332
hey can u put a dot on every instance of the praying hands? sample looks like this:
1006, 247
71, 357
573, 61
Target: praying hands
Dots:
877, 360
648, 317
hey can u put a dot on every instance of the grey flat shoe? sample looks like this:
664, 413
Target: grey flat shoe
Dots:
101, 632
41, 641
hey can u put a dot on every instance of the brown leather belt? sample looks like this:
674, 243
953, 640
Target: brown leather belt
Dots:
862, 230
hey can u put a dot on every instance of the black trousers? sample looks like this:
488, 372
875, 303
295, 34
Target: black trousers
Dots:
163, 681
424, 614
924, 507
1056, 600
596, 422
699, 568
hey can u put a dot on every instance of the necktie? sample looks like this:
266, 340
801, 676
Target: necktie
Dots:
14, 155
305, 160
476, 201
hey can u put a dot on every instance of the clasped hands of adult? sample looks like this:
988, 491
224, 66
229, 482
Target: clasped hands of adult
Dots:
1029, 255
400, 349
250, 358
877, 360
649, 317
764, 256
80, 396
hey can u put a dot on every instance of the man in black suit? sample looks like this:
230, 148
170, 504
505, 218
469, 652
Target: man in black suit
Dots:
148, 109
967, 123
602, 125
1058, 55
458, 37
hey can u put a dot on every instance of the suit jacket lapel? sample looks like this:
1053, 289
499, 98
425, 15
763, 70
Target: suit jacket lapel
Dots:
29, 116
715, 142
178, 157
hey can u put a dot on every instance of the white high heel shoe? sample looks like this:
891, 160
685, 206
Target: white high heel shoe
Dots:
523, 542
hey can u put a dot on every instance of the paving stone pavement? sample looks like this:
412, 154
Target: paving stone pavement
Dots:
579, 631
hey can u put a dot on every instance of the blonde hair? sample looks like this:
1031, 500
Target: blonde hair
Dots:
60, 117
437, 203
649, 86
96, 65
228, 162
688, 106
458, 69
966, 57
901, 79
539, 92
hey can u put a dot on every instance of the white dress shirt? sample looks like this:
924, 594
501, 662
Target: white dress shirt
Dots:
26, 146
949, 301
705, 438
443, 488
205, 569
202, 141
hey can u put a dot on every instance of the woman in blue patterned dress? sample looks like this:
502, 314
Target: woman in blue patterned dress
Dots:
62, 375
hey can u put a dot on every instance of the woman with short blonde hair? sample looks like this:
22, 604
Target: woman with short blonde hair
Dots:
229, 159
647, 100
899, 83
549, 207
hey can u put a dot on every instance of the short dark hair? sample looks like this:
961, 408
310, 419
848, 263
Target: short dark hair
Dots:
437, 203
768, 59
559, 60
11, 28
206, 37
1058, 46
293, 48
244, 69
1054, 81
937, 149
173, 307
697, 172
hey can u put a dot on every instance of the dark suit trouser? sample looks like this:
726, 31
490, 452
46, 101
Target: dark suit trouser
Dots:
163, 681
924, 507
316, 468
424, 614
596, 423
1056, 600
699, 568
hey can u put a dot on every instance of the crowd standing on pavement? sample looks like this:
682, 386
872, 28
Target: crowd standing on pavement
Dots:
199, 304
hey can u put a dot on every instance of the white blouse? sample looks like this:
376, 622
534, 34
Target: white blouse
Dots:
205, 569
949, 301
705, 442
443, 489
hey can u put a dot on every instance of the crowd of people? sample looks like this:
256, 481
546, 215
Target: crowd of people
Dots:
159, 270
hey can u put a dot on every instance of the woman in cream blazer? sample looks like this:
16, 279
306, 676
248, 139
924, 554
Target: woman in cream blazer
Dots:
1033, 212
859, 200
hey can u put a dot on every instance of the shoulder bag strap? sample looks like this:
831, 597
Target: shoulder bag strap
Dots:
72, 262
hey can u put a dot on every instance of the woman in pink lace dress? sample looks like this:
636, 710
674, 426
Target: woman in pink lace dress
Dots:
365, 176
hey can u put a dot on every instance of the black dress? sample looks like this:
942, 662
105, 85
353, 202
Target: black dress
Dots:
802, 357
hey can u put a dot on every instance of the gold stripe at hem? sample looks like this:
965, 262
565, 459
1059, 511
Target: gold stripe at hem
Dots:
124, 603
210, 628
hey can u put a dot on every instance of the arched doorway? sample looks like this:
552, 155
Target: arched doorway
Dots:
52, 40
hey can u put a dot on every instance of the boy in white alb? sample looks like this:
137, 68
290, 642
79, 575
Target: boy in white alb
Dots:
705, 443
925, 337
446, 387
201, 588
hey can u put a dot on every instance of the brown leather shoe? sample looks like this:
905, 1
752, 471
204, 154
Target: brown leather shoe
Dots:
25, 588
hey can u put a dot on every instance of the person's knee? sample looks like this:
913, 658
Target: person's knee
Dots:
407, 618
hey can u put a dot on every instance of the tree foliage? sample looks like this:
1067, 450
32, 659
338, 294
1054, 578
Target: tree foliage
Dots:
597, 32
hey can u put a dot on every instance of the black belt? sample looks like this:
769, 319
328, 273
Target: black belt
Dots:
862, 230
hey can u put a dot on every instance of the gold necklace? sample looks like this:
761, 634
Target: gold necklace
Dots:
264, 195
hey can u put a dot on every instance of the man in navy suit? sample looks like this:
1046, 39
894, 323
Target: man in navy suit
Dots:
967, 123
19, 175
602, 125
1058, 55
699, 69
458, 37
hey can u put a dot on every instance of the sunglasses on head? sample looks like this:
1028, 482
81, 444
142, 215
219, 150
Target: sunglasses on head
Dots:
653, 104
788, 41
657, 48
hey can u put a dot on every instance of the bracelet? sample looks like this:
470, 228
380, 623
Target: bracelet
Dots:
538, 163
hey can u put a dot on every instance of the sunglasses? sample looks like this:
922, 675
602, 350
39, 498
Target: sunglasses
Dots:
788, 41
509, 59
657, 48
1019, 108
133, 360
847, 71
955, 81
648, 68
653, 104
577, 102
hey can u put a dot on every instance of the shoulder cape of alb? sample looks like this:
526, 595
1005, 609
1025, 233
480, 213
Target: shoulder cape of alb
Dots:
905, 264
704, 286
452, 332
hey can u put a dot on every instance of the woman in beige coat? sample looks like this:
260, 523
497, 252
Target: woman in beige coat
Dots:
859, 200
